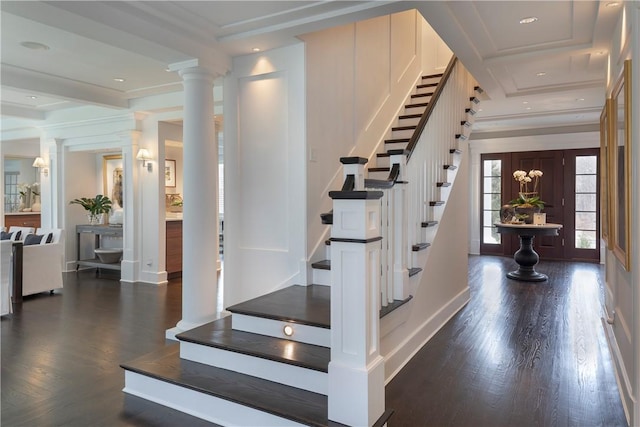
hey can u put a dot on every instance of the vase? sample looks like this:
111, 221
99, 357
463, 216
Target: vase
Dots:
36, 206
527, 212
507, 212
94, 219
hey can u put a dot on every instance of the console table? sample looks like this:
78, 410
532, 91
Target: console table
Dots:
526, 257
98, 232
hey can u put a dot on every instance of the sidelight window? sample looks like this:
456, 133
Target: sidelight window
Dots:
491, 200
586, 202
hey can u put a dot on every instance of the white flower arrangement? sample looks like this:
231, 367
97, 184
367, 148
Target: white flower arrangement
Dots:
525, 198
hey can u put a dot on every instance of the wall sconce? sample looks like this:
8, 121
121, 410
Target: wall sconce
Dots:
143, 154
42, 165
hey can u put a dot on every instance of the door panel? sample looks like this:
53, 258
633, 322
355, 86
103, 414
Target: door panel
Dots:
551, 190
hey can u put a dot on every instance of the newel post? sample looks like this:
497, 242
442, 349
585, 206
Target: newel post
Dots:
356, 370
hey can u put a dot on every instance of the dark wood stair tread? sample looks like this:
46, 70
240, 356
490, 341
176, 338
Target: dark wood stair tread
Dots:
432, 76
421, 95
410, 116
436, 203
419, 104
460, 136
219, 334
425, 85
394, 305
450, 167
443, 184
420, 246
287, 402
325, 264
426, 224
455, 151
308, 305
396, 140
398, 128
414, 271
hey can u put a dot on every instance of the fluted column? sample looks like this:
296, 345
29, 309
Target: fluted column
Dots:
200, 213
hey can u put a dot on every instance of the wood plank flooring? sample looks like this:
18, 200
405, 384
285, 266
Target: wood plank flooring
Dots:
519, 354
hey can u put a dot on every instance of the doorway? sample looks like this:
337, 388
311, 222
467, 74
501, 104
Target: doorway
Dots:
570, 190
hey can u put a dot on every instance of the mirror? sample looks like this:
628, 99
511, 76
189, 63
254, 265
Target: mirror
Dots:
21, 183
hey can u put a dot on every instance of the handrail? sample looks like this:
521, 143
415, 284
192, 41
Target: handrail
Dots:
413, 141
384, 183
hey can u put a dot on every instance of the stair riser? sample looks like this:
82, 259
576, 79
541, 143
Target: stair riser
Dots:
414, 110
200, 405
273, 328
282, 373
395, 146
419, 258
430, 80
406, 133
320, 276
408, 122
378, 175
383, 162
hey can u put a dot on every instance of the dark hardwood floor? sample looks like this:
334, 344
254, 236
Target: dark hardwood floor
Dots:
518, 354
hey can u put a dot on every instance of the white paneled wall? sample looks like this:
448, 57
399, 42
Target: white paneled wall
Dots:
265, 173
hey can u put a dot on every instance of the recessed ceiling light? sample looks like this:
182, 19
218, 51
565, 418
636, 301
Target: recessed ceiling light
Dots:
580, 99
32, 97
34, 45
119, 79
256, 49
525, 102
528, 108
541, 73
613, 4
528, 20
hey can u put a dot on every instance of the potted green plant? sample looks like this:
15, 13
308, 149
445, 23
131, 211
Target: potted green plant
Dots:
95, 207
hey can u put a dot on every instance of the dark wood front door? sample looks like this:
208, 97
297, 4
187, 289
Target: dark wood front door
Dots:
569, 188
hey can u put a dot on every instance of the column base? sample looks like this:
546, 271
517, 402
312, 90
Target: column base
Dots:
356, 395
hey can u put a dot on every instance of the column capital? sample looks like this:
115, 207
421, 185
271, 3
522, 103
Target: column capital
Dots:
196, 68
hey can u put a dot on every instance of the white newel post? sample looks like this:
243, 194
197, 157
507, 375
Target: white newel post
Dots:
356, 370
200, 215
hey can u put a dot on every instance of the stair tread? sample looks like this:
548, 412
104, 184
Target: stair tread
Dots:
443, 184
287, 402
420, 246
394, 306
432, 76
219, 334
436, 203
424, 85
429, 224
399, 128
309, 305
414, 271
325, 264
450, 167
396, 140
416, 105
410, 116
381, 169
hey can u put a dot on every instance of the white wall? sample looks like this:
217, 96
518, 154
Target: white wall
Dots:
623, 292
358, 77
265, 170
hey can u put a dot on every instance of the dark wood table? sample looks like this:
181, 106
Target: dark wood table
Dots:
526, 257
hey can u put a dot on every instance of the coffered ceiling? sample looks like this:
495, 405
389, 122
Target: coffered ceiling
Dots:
548, 73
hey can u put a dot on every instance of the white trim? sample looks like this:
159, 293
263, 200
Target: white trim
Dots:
283, 373
399, 357
273, 328
622, 378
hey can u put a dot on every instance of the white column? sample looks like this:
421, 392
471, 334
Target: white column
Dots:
200, 215
356, 370
131, 234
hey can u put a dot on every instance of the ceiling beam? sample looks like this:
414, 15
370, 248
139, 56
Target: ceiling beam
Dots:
58, 87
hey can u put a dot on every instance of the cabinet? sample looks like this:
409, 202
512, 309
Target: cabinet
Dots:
173, 258
96, 232
22, 219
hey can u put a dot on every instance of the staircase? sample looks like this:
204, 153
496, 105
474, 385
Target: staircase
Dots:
268, 363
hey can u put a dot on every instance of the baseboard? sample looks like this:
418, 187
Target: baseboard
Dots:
401, 354
622, 377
